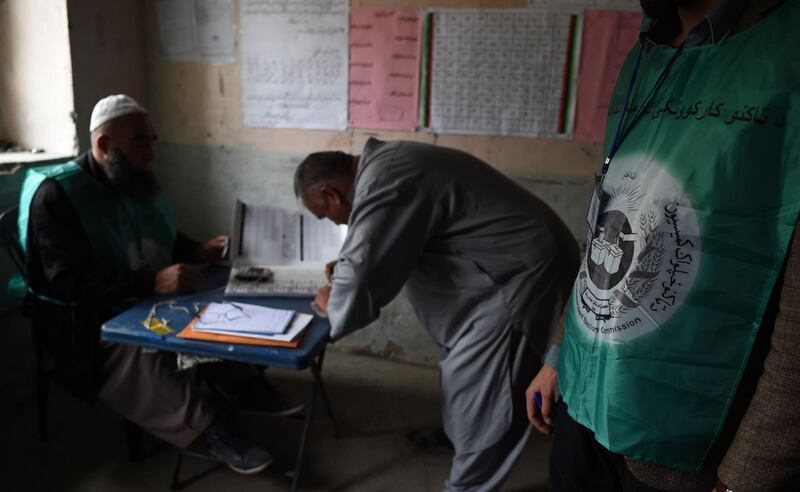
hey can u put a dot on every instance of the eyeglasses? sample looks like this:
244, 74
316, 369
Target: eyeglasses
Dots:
160, 326
232, 314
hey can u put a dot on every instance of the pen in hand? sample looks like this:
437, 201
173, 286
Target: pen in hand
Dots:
224, 254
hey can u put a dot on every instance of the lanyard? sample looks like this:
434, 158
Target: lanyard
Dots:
624, 130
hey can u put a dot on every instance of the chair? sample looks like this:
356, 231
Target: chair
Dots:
9, 237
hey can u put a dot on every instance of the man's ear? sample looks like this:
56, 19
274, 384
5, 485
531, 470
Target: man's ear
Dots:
328, 193
102, 144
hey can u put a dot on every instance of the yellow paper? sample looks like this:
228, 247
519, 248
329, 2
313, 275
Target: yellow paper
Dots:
157, 326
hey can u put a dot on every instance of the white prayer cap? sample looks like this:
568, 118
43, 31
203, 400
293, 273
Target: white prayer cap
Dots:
112, 107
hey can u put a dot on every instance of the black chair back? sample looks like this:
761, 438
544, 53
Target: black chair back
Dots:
9, 237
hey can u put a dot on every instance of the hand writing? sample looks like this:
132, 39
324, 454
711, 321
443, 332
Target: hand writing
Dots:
212, 250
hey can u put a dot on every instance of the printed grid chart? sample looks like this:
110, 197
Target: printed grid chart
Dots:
498, 72
579, 5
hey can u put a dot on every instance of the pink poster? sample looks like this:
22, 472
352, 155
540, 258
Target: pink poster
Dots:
608, 37
384, 68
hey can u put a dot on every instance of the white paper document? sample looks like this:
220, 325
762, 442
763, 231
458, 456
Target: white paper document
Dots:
295, 63
215, 30
322, 239
176, 32
294, 246
296, 326
265, 235
197, 30
272, 235
234, 318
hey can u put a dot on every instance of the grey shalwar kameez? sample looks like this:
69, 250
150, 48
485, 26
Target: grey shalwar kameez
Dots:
486, 266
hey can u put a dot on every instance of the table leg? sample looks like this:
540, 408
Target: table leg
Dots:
316, 372
317, 387
176, 472
177, 483
304, 438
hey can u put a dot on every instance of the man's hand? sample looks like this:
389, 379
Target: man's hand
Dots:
545, 384
322, 297
213, 251
329, 270
176, 279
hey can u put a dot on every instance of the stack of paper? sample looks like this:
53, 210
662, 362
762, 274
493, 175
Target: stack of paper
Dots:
251, 321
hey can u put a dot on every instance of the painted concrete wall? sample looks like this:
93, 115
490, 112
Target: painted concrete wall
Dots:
36, 98
108, 55
207, 158
58, 58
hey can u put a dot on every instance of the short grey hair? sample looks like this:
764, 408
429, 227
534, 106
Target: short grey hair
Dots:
321, 168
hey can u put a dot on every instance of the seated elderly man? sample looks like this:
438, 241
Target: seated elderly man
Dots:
97, 233
486, 266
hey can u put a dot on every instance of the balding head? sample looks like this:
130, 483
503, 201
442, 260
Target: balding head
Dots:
322, 182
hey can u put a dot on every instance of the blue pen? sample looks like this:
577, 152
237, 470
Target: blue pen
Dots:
537, 397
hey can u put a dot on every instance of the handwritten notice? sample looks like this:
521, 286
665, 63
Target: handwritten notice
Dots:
384, 68
294, 63
607, 38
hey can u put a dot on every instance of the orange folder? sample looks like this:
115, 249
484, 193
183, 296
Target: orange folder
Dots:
190, 333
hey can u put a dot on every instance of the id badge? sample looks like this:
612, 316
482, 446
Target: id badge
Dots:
594, 206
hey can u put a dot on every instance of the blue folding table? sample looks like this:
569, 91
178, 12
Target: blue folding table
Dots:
127, 328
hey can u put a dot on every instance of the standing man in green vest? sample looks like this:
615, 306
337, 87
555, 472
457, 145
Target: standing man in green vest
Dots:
679, 366
97, 233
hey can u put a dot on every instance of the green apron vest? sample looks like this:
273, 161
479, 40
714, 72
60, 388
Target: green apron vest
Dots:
15, 292
125, 234
697, 211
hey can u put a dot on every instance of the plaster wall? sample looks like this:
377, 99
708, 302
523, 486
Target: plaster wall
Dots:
36, 98
108, 55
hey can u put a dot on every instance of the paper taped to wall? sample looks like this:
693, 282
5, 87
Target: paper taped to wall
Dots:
500, 72
294, 63
384, 67
197, 30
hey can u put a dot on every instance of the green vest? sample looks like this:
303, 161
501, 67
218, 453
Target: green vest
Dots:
125, 234
697, 211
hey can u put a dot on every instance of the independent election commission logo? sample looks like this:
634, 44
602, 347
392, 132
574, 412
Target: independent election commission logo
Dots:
642, 255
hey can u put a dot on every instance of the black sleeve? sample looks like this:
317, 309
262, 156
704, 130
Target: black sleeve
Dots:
185, 249
60, 260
